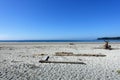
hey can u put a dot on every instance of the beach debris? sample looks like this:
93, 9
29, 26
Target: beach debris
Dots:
118, 71
47, 58
71, 54
39, 55
71, 43
63, 62
107, 46
0, 48
94, 55
6, 48
64, 54
80, 59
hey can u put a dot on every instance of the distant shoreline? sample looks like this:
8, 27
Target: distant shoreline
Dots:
109, 38
50, 43
57, 41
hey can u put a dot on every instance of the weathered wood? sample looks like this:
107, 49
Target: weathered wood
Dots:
64, 53
71, 54
103, 48
107, 46
94, 55
62, 62
71, 43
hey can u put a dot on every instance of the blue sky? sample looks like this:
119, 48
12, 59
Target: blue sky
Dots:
59, 19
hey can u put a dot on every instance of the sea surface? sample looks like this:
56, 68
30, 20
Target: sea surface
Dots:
57, 40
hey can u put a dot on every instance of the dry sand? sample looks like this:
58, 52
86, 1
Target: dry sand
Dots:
20, 61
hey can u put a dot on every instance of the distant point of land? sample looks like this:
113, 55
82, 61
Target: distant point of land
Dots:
109, 38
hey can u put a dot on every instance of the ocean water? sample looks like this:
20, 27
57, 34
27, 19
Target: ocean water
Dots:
57, 40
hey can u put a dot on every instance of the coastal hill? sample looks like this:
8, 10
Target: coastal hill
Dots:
109, 38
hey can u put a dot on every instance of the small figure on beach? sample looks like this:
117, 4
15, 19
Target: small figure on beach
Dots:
107, 46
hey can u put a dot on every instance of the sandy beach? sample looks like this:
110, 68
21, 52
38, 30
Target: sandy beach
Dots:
20, 61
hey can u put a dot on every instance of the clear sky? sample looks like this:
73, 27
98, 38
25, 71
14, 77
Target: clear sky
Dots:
59, 19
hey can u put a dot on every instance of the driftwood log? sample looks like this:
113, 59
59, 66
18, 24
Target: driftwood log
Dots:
64, 54
63, 62
71, 43
107, 46
71, 54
